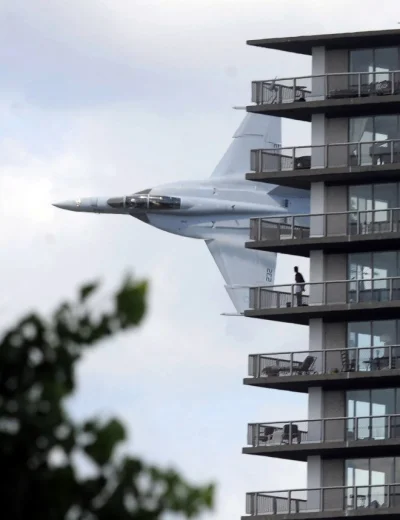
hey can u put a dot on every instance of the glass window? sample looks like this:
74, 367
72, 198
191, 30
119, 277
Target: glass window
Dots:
362, 60
370, 408
386, 59
374, 60
378, 266
158, 202
378, 197
360, 197
374, 135
364, 473
360, 268
361, 129
372, 340
385, 127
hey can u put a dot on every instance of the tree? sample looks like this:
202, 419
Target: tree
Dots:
39, 440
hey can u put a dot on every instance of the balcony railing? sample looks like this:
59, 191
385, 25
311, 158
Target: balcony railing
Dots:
337, 429
335, 155
325, 293
319, 225
327, 361
325, 86
337, 498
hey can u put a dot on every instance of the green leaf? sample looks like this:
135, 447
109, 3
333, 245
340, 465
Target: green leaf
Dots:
86, 290
106, 440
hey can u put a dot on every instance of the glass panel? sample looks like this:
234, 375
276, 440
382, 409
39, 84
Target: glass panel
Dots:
382, 472
361, 60
137, 201
359, 335
357, 475
360, 269
358, 405
385, 129
382, 404
361, 130
360, 199
385, 196
157, 202
386, 59
383, 335
384, 266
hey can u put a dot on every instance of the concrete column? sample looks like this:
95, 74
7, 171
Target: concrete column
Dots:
318, 72
318, 140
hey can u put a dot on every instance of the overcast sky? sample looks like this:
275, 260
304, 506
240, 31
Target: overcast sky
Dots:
107, 97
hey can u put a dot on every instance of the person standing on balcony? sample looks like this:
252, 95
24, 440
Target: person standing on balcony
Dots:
299, 288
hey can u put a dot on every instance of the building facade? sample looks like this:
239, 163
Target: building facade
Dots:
351, 371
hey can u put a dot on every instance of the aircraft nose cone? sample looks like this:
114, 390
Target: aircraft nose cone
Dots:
71, 205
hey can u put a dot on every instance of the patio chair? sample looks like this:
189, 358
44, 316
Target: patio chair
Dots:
267, 434
306, 367
289, 436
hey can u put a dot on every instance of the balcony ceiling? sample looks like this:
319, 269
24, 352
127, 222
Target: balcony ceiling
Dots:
304, 44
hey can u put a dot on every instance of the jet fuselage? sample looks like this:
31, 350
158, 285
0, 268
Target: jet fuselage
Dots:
192, 208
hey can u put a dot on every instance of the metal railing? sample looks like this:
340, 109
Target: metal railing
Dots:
325, 293
335, 498
332, 429
335, 155
318, 225
325, 86
327, 361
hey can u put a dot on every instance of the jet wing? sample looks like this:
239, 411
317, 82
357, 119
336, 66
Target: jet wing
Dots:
240, 266
256, 131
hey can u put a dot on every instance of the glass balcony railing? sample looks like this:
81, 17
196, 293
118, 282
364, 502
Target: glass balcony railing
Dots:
338, 498
372, 290
337, 429
320, 225
335, 155
327, 361
325, 86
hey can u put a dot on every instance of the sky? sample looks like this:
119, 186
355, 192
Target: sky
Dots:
107, 97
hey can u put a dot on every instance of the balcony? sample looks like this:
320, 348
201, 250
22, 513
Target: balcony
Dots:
347, 368
340, 232
336, 300
338, 163
347, 94
296, 440
379, 502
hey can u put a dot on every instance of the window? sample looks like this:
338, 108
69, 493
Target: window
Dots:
374, 273
368, 131
158, 202
369, 476
366, 198
374, 128
376, 264
370, 410
373, 344
378, 61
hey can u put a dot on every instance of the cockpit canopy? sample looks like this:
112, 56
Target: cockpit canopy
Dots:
145, 202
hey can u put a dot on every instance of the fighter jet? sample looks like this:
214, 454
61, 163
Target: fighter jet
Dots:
218, 209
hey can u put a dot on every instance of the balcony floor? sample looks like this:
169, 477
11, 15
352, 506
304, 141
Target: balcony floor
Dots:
347, 107
332, 244
331, 450
329, 313
338, 381
345, 175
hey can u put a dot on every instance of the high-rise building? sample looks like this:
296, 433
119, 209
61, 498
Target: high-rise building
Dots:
351, 302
